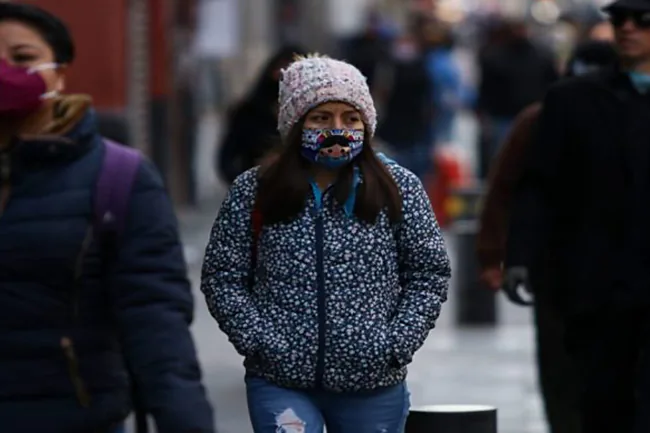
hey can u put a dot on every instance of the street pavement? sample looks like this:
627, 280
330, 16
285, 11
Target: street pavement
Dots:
487, 366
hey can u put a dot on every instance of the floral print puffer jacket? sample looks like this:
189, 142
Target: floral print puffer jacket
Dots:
337, 303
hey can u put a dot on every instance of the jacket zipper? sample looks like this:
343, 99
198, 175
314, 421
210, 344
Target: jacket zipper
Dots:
73, 371
5, 180
320, 273
67, 345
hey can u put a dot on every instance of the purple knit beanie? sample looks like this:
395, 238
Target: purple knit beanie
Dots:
314, 80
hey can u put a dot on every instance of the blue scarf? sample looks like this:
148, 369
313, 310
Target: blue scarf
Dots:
640, 81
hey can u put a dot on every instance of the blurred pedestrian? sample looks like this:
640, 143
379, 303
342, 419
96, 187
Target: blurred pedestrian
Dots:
326, 267
580, 220
251, 128
79, 305
602, 31
408, 110
514, 73
445, 77
584, 17
557, 374
370, 47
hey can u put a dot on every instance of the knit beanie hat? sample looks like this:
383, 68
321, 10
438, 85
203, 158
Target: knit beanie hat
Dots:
314, 80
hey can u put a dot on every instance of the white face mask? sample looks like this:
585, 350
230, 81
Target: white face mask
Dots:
43, 67
46, 67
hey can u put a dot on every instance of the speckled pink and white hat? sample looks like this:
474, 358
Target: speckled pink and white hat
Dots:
314, 80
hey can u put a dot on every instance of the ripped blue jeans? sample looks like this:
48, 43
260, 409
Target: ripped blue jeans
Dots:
274, 409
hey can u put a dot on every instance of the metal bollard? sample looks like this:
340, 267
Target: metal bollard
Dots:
452, 419
476, 304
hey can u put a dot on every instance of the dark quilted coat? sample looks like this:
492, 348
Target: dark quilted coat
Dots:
68, 312
337, 303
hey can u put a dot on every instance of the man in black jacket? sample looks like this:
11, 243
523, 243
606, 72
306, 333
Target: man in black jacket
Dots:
582, 212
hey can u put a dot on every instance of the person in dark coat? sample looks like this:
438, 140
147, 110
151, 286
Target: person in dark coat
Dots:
73, 312
368, 49
514, 73
557, 375
407, 122
580, 219
251, 129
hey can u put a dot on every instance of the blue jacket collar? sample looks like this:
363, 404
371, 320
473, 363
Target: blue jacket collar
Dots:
357, 179
348, 206
640, 81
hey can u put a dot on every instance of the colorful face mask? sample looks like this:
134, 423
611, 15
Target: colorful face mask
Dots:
332, 148
23, 90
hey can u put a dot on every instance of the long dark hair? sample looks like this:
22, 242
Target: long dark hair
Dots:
284, 184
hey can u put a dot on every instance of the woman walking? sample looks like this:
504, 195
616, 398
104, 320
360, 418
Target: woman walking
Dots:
326, 267
94, 296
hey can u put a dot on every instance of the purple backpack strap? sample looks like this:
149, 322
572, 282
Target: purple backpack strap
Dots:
113, 190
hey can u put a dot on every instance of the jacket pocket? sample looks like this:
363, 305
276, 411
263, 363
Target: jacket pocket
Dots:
288, 354
378, 350
359, 361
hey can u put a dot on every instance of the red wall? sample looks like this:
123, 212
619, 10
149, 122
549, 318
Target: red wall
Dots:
159, 42
99, 29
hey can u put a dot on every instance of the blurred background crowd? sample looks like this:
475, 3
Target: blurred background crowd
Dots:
165, 74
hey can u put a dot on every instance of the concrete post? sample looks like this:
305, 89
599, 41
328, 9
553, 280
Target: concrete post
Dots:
138, 75
476, 304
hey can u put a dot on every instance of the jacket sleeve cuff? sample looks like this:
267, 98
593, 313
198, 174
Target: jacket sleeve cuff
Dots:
401, 356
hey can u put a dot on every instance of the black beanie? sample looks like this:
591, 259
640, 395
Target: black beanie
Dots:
591, 55
53, 30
